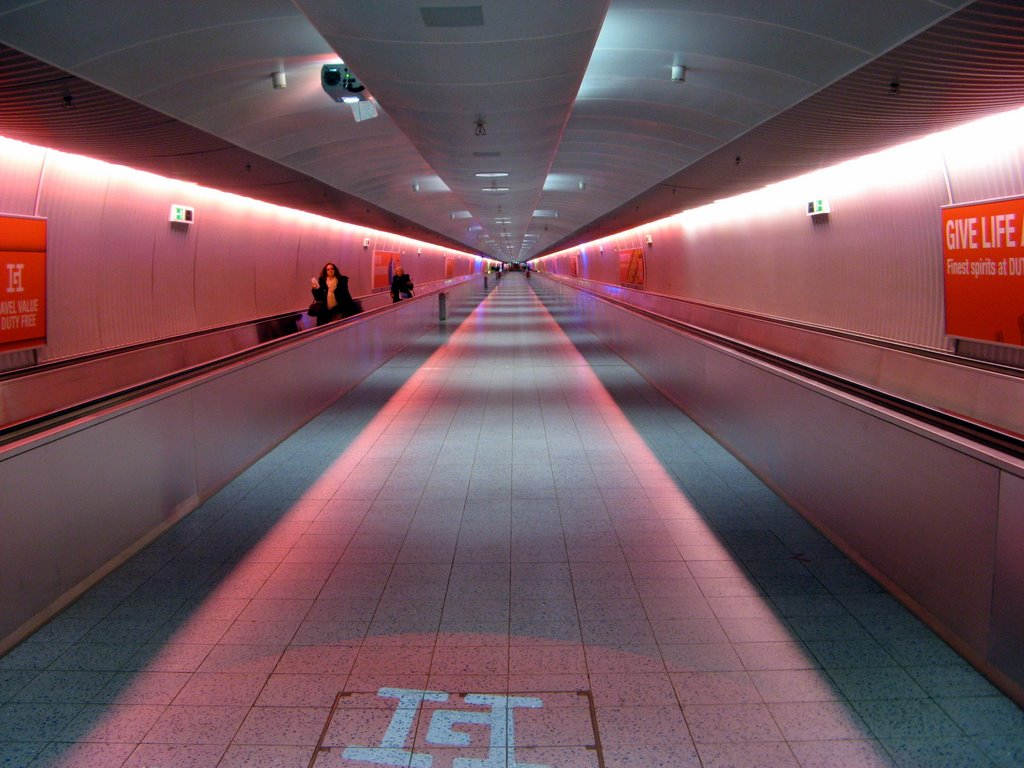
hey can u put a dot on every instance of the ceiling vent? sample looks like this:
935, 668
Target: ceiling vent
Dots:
453, 16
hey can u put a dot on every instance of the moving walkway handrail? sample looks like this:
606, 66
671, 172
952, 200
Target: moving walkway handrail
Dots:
16, 429
25, 427
986, 435
873, 341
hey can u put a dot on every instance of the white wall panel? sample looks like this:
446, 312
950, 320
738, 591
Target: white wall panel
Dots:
132, 213
172, 289
983, 170
120, 273
72, 198
20, 172
225, 288
275, 262
873, 266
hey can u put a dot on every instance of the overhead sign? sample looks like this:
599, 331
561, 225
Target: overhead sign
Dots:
22, 283
983, 270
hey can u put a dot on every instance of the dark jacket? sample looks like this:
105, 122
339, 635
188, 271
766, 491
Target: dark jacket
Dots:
401, 287
346, 306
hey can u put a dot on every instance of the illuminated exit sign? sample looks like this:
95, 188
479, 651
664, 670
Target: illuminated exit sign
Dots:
182, 214
817, 207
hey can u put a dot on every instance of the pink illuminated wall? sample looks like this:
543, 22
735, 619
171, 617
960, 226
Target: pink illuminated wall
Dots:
120, 273
872, 266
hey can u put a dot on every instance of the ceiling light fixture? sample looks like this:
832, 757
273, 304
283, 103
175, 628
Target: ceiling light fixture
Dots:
678, 73
492, 174
278, 79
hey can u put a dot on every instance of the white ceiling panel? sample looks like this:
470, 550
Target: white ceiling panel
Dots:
574, 99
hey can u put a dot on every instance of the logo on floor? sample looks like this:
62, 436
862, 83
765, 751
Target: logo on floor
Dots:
435, 729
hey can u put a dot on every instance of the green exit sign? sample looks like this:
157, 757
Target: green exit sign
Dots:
817, 207
182, 214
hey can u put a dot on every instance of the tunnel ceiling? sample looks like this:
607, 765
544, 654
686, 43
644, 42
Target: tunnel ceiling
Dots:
574, 100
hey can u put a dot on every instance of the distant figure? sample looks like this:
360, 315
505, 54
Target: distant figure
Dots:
330, 292
401, 285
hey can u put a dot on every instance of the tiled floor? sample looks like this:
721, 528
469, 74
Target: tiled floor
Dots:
512, 521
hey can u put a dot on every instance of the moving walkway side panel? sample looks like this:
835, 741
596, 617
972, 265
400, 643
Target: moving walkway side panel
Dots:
925, 512
1007, 648
986, 393
73, 500
79, 499
238, 412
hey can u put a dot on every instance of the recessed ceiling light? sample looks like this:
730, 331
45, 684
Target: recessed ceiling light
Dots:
495, 189
492, 174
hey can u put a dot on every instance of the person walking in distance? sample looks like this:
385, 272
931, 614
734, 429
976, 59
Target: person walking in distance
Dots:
401, 285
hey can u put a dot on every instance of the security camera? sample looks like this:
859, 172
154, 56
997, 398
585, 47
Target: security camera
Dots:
340, 84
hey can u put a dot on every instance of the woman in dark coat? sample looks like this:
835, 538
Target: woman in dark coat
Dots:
331, 288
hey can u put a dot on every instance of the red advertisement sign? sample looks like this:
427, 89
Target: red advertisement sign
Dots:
983, 269
384, 265
631, 267
22, 283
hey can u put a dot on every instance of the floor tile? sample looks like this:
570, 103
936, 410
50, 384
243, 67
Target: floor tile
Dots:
504, 523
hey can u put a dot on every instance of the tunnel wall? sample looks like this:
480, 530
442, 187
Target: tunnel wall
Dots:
120, 273
873, 266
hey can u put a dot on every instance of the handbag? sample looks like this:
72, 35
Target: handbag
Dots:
317, 308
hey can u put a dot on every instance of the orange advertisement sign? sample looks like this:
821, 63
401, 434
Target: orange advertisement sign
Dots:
384, 264
22, 283
631, 267
983, 270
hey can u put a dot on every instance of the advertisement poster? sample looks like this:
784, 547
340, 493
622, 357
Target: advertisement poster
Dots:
983, 270
22, 283
631, 267
384, 264
449, 266
574, 266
